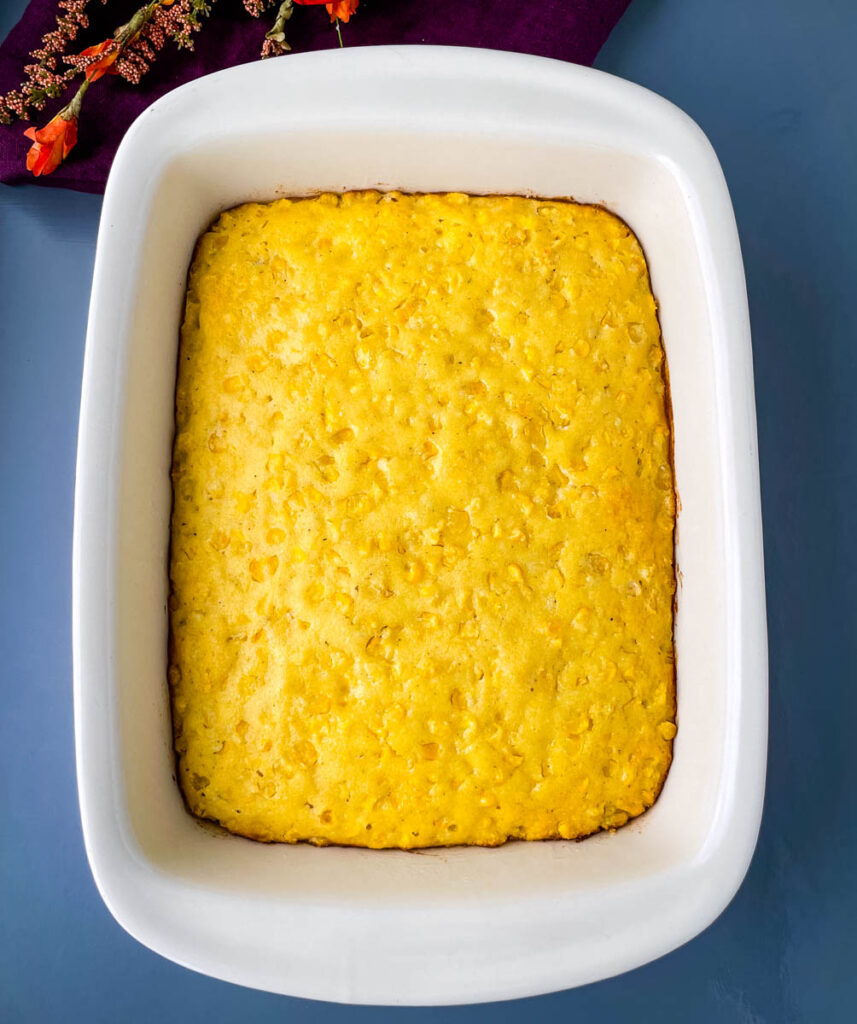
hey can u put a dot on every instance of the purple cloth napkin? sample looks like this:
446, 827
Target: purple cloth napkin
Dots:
572, 30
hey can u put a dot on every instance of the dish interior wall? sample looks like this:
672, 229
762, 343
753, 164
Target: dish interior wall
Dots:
187, 195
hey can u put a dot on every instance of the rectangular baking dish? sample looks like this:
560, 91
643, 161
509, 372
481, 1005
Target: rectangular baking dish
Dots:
439, 926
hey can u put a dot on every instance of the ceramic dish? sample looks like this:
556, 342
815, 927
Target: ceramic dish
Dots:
441, 926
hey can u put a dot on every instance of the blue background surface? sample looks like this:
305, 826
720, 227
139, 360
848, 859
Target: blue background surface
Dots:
773, 83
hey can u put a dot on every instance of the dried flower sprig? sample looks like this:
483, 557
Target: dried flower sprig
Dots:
256, 8
275, 41
176, 21
129, 52
44, 80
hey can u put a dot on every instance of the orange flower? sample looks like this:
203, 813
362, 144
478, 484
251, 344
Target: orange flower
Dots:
104, 65
342, 10
51, 144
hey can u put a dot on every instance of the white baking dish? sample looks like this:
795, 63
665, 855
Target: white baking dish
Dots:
439, 926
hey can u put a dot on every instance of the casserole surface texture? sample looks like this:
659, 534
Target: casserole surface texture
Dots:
422, 567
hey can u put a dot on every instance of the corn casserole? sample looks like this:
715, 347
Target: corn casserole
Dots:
422, 567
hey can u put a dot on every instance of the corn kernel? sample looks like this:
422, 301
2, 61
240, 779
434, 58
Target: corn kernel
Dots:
507, 480
263, 568
452, 554
238, 542
556, 476
582, 618
555, 578
415, 572
243, 502
597, 564
306, 753
363, 357
219, 540
319, 705
433, 560
581, 725
217, 442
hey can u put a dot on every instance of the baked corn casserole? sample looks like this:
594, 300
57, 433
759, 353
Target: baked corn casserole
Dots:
422, 566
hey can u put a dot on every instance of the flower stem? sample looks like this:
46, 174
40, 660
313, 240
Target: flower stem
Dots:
72, 108
339, 33
131, 29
